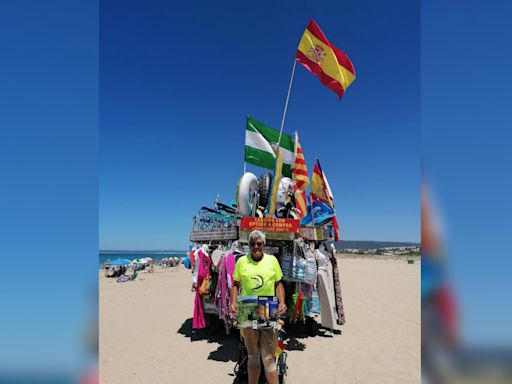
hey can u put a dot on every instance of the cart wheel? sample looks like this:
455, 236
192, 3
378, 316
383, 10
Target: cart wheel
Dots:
281, 364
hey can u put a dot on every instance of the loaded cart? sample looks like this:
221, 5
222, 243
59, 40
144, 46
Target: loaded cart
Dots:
300, 237
307, 260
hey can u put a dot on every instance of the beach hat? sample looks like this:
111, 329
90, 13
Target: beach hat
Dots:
216, 256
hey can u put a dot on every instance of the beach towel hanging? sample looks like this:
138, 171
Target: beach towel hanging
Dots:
311, 300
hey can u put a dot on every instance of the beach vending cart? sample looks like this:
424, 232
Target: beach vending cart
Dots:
305, 253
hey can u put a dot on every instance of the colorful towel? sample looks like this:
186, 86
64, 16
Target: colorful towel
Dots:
198, 320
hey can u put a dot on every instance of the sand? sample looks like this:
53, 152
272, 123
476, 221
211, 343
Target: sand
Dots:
146, 334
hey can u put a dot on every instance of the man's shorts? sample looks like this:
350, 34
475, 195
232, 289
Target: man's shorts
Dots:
262, 341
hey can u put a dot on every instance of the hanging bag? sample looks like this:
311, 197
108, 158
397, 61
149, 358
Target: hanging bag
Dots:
204, 289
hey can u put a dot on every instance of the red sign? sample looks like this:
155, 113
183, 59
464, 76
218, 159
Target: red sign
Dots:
268, 224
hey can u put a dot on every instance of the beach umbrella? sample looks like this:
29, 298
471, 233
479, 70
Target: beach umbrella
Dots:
143, 261
120, 262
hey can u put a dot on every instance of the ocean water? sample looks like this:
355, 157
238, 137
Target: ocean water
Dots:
157, 255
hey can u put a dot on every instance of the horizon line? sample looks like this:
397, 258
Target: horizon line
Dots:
168, 250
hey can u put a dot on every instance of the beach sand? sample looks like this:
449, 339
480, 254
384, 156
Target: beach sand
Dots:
146, 334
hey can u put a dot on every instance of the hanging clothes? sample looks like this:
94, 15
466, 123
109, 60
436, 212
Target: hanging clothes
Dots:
192, 257
229, 264
328, 312
222, 293
337, 290
324, 263
203, 272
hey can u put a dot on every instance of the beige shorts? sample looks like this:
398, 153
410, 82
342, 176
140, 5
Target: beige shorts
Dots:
262, 342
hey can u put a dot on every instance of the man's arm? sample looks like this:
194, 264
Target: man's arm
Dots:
280, 297
234, 295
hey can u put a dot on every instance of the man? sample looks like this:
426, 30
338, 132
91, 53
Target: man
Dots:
259, 275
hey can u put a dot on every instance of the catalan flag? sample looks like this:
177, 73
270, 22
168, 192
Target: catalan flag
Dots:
323, 59
300, 177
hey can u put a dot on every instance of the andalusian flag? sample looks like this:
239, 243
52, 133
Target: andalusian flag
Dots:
300, 177
258, 149
323, 59
321, 192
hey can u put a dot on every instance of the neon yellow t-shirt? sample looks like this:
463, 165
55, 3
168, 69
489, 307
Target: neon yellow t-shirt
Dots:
258, 278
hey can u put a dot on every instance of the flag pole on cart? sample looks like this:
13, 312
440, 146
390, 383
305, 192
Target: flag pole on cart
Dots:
279, 162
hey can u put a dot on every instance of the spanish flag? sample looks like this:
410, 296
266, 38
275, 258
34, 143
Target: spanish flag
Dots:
323, 59
319, 188
321, 192
300, 178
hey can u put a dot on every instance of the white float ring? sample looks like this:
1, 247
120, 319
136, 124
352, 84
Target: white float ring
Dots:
248, 186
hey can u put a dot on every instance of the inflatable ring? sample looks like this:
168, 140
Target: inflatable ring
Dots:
265, 188
247, 187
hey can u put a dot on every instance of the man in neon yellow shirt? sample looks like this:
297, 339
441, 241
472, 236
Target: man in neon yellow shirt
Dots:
260, 275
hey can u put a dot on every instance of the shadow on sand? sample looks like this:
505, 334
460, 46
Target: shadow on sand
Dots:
214, 333
229, 345
229, 348
294, 332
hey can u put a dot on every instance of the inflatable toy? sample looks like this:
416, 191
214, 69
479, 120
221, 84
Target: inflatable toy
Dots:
247, 188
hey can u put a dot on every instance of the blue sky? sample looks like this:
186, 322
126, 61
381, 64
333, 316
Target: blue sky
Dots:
465, 141
153, 107
177, 84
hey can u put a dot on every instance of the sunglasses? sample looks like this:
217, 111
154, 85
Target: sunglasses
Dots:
258, 243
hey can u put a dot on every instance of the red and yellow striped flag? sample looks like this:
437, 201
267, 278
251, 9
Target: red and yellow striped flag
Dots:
323, 59
299, 177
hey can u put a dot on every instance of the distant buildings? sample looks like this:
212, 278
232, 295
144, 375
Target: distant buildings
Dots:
388, 251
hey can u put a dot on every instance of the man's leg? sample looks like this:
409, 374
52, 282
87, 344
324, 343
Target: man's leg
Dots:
251, 338
272, 377
268, 344
254, 374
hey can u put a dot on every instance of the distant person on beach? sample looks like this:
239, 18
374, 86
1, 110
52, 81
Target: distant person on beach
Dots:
259, 274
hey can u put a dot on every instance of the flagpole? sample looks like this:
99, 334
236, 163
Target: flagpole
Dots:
286, 104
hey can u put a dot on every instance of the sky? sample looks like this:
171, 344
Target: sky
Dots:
465, 145
176, 86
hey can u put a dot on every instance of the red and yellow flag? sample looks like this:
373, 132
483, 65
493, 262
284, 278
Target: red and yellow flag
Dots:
321, 192
323, 59
319, 188
300, 178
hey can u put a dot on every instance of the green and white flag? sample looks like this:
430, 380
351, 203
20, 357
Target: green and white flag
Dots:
258, 150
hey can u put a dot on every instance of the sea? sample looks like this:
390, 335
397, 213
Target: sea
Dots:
132, 255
